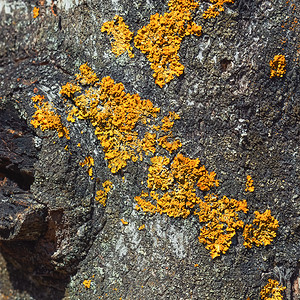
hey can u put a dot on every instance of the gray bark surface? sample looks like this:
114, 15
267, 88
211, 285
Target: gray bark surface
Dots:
233, 117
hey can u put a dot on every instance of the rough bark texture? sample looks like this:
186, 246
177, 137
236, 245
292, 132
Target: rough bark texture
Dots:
233, 116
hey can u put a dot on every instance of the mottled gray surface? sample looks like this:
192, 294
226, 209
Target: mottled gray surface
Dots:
234, 118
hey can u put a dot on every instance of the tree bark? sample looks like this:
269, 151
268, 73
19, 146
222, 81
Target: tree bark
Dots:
58, 242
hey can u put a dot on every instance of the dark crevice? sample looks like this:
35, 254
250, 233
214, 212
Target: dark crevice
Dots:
21, 178
30, 260
295, 286
33, 280
225, 64
17, 151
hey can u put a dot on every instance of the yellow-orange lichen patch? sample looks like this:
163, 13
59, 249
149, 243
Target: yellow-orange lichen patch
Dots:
249, 184
69, 89
142, 227
121, 36
115, 120
87, 283
46, 118
166, 140
87, 76
101, 195
72, 114
215, 8
35, 12
207, 181
221, 220
272, 291
159, 176
182, 5
116, 116
147, 206
39, 99
53, 9
169, 146
168, 121
264, 231
278, 65
89, 162
124, 222
149, 143
162, 37
172, 187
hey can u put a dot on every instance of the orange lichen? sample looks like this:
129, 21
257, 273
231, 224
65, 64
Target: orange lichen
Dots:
168, 121
215, 8
207, 181
172, 189
249, 184
53, 8
264, 232
69, 89
221, 222
162, 37
178, 180
169, 146
46, 118
101, 195
72, 113
177, 5
187, 171
124, 126
124, 222
121, 36
116, 116
89, 162
38, 99
149, 143
272, 291
147, 206
278, 65
142, 227
159, 177
35, 12
167, 125
87, 283
87, 76
115, 120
